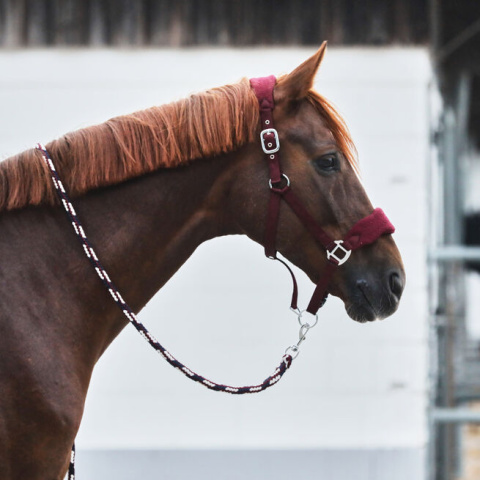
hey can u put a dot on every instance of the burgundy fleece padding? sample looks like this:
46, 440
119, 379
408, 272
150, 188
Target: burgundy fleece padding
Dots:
263, 88
368, 229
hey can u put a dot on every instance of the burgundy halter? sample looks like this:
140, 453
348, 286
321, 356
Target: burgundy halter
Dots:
364, 232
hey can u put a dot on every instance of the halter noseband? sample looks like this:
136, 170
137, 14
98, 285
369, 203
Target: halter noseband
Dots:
364, 232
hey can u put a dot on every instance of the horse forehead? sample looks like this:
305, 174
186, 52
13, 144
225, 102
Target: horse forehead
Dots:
307, 125
314, 134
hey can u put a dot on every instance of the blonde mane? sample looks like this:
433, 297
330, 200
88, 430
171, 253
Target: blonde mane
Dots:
211, 123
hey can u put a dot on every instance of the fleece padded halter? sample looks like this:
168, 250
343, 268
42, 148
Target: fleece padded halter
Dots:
364, 232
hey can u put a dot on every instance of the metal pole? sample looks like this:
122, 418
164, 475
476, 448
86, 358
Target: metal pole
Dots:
454, 415
454, 253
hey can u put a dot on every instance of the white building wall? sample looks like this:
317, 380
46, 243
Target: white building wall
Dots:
353, 386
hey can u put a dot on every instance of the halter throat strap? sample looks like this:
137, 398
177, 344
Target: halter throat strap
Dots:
364, 232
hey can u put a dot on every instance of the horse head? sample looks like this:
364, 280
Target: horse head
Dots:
319, 159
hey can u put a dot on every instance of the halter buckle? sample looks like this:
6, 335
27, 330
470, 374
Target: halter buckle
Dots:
338, 246
273, 147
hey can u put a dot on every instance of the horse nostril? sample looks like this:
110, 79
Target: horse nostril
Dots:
396, 284
361, 283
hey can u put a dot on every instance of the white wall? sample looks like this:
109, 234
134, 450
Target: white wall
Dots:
353, 386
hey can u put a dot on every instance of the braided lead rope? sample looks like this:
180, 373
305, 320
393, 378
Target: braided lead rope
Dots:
128, 312
71, 466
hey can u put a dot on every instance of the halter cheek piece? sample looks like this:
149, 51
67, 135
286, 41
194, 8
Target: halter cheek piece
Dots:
364, 232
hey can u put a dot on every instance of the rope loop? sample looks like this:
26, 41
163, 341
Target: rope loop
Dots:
132, 318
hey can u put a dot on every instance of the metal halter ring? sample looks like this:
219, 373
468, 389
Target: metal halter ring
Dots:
283, 176
304, 323
293, 351
345, 252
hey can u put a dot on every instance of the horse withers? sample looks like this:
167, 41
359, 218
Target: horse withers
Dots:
150, 187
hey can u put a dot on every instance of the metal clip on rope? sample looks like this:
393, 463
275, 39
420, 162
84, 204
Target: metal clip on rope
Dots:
294, 350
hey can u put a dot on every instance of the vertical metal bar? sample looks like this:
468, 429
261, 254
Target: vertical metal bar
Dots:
450, 336
446, 398
451, 179
460, 341
434, 187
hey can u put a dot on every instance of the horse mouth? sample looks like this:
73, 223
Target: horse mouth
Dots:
362, 312
368, 306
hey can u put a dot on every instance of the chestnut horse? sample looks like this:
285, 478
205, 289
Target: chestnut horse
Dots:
150, 187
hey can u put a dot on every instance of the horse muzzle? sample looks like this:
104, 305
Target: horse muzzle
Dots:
373, 295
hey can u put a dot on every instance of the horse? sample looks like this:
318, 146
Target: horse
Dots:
150, 187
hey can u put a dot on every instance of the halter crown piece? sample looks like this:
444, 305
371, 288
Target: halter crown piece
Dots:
364, 232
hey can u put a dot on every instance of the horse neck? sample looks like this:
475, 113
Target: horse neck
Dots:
145, 229
142, 230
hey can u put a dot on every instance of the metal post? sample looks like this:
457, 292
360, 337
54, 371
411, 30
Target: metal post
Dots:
445, 457
455, 415
450, 253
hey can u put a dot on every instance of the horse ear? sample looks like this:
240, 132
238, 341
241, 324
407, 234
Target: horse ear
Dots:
296, 84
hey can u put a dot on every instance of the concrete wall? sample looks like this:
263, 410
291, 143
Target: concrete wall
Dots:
354, 388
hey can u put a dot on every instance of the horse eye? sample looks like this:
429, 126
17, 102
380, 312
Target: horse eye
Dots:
327, 163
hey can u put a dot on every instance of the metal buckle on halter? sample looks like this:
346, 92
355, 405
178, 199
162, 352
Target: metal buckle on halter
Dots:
339, 246
269, 148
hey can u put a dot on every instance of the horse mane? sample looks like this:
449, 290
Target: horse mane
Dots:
210, 123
